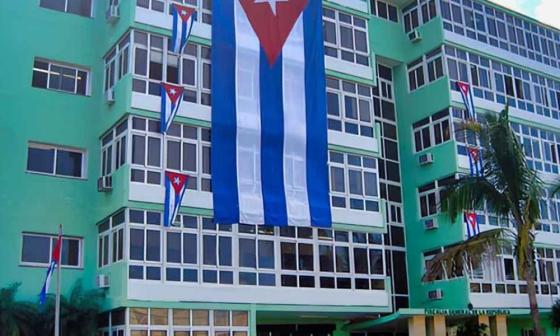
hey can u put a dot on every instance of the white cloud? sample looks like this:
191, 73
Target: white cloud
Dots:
516, 5
548, 11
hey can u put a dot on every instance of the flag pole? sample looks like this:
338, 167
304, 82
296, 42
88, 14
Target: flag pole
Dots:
57, 305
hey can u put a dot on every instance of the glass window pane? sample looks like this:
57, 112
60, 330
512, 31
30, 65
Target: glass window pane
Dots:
266, 254
153, 243
209, 250
40, 160
36, 249
136, 244
342, 259
288, 257
247, 256
68, 163
189, 248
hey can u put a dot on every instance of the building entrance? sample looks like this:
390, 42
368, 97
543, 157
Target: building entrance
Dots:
296, 330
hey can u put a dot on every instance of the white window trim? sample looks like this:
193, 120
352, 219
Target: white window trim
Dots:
38, 145
51, 246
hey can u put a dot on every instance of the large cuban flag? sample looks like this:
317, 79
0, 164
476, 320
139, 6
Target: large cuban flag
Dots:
183, 20
269, 127
171, 97
175, 187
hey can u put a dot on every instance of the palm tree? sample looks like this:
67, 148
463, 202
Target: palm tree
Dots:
78, 313
511, 189
15, 316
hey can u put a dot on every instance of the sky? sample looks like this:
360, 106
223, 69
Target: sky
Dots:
547, 11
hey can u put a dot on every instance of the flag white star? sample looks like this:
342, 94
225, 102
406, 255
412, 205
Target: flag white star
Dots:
173, 92
271, 3
176, 181
183, 12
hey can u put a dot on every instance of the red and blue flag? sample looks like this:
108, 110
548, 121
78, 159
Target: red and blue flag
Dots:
475, 161
183, 20
54, 264
175, 187
471, 222
171, 97
468, 100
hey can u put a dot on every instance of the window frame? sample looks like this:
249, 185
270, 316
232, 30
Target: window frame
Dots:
56, 148
52, 240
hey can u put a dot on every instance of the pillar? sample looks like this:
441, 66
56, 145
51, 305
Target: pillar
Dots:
501, 325
484, 319
439, 325
417, 325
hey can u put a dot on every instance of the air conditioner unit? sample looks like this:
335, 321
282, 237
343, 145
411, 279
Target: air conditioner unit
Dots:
430, 224
414, 36
110, 96
102, 281
425, 159
112, 14
104, 183
436, 294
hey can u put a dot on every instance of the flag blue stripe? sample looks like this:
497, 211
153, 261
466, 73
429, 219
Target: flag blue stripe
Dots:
174, 34
224, 162
163, 121
272, 141
166, 221
184, 36
316, 121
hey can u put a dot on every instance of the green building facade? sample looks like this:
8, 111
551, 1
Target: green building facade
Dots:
80, 133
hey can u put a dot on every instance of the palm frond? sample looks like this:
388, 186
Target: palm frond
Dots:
470, 192
473, 248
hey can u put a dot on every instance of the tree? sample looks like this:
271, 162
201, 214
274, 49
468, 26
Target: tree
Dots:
78, 313
472, 328
555, 316
511, 189
14, 315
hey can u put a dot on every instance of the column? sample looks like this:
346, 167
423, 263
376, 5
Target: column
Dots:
417, 325
439, 325
501, 325
484, 319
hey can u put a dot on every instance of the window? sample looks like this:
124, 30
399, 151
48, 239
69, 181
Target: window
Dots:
79, 7
58, 77
416, 75
384, 10
196, 250
432, 131
182, 322
487, 24
153, 63
346, 36
502, 83
350, 108
434, 61
430, 196
353, 182
425, 69
117, 62
57, 161
188, 151
410, 17
37, 250
110, 248
203, 7
114, 148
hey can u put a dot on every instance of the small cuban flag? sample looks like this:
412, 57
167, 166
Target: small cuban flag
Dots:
475, 161
468, 100
55, 262
183, 20
171, 96
472, 224
175, 187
